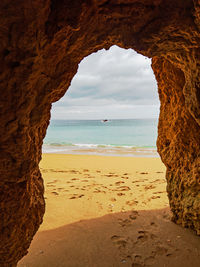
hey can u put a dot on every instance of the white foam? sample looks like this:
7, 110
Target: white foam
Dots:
96, 149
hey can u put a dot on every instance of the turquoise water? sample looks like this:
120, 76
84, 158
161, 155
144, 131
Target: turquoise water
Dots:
87, 136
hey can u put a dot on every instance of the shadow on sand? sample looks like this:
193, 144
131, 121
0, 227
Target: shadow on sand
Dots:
134, 238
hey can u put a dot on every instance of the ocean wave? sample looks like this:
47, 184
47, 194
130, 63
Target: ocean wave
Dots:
97, 145
99, 149
58, 144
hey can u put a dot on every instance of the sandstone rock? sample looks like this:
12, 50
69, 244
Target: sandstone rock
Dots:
42, 43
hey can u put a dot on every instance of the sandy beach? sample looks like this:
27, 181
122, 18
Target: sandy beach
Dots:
107, 212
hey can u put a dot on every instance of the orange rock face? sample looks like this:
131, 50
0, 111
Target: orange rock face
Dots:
42, 43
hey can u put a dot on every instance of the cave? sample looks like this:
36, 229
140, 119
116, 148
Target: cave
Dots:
42, 43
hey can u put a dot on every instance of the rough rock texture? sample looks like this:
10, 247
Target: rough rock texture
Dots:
42, 43
179, 145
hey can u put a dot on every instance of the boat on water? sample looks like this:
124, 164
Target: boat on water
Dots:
104, 120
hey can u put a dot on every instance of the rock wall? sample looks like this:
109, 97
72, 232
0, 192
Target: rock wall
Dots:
178, 145
42, 43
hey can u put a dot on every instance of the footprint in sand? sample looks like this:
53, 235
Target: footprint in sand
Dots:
111, 175
105, 187
160, 181
73, 171
137, 261
123, 188
110, 207
153, 224
137, 257
143, 172
75, 196
134, 214
74, 179
113, 199
84, 181
124, 177
155, 197
160, 192
143, 236
125, 222
144, 202
119, 241
52, 182
119, 182
54, 193
120, 194
85, 170
149, 187
131, 202
137, 181
97, 191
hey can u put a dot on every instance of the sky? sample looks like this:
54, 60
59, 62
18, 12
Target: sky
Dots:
113, 84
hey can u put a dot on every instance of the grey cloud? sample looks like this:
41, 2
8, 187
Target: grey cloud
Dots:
118, 77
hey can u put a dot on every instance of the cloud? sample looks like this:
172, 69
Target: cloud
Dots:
114, 83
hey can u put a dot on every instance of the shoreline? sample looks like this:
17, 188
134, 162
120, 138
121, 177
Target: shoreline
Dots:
104, 150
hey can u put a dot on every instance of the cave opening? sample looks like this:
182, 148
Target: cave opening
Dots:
42, 45
110, 109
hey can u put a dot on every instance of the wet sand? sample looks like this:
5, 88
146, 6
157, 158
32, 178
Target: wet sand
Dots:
108, 211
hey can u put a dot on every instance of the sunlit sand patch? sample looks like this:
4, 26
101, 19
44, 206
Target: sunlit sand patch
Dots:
81, 187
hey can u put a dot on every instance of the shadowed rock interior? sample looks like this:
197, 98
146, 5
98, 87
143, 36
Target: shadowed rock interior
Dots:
42, 43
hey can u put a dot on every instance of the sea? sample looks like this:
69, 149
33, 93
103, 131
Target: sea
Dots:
117, 137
